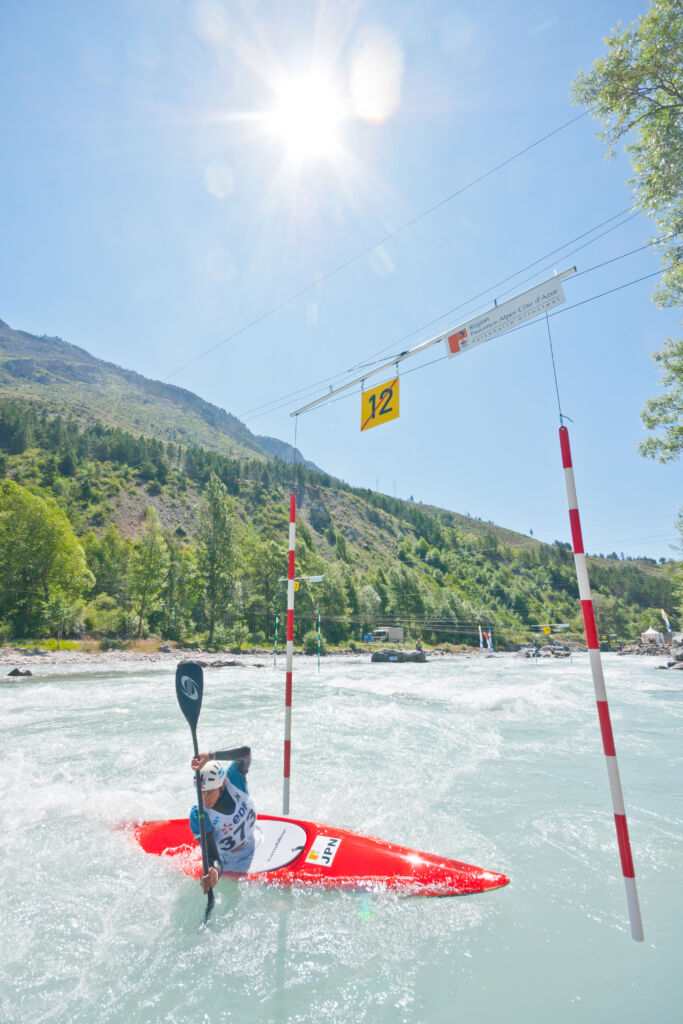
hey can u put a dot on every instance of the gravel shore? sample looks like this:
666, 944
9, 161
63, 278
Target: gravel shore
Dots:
32, 658
29, 658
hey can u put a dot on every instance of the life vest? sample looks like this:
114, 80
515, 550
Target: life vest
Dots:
232, 831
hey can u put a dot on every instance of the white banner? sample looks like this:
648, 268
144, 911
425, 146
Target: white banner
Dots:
502, 318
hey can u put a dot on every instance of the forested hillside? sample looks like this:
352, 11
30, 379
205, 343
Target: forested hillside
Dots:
118, 535
66, 379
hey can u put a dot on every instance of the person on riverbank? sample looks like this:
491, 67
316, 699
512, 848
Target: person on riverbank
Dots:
229, 812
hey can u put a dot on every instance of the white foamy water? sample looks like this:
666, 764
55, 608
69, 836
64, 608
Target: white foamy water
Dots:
495, 761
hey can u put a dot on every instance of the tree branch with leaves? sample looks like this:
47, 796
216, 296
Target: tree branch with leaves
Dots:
635, 92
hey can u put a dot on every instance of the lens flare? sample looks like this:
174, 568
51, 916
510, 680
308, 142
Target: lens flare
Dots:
377, 65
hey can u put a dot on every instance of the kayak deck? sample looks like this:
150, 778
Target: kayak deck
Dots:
290, 852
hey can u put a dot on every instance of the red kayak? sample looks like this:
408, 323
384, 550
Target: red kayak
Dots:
304, 853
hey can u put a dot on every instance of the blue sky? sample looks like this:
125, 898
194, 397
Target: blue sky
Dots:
162, 191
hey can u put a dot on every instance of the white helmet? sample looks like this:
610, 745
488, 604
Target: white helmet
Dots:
212, 775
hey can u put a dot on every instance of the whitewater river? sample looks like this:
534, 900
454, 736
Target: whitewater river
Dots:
495, 761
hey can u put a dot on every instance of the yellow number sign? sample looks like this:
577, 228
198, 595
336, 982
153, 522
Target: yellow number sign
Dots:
547, 630
379, 405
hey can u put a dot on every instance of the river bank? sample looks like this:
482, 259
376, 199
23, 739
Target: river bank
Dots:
26, 661
32, 658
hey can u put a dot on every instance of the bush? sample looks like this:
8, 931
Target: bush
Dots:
310, 642
127, 625
102, 615
239, 634
107, 644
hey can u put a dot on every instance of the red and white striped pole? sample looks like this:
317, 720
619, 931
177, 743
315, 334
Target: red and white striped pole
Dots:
600, 693
290, 653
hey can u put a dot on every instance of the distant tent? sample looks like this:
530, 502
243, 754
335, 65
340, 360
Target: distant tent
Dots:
652, 636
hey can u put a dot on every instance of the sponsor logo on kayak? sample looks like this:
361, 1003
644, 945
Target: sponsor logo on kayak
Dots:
277, 843
323, 851
189, 687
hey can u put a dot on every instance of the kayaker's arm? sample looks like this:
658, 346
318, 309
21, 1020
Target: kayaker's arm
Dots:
214, 857
215, 870
242, 755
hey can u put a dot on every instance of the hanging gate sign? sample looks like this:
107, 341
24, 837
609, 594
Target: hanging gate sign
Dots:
502, 318
379, 405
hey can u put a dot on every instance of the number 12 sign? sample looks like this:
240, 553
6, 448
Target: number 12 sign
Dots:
379, 405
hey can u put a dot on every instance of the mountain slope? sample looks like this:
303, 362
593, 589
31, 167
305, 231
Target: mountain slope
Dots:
433, 570
68, 379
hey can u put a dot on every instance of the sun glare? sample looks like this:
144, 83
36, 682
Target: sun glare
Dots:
306, 117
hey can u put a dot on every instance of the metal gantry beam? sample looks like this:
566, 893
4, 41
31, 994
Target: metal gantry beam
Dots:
407, 354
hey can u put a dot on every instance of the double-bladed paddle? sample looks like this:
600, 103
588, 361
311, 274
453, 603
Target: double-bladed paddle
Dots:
189, 688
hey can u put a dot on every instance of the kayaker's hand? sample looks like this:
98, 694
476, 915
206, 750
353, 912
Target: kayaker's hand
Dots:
198, 763
209, 880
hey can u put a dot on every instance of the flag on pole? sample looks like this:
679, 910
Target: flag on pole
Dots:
668, 624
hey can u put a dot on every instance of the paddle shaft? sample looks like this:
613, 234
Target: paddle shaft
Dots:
202, 826
189, 688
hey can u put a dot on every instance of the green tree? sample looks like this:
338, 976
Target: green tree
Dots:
341, 548
665, 412
215, 544
109, 559
370, 607
677, 574
407, 592
264, 563
39, 554
180, 591
332, 599
61, 613
150, 565
636, 92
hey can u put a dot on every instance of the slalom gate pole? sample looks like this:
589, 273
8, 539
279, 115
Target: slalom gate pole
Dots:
290, 653
318, 639
600, 693
277, 623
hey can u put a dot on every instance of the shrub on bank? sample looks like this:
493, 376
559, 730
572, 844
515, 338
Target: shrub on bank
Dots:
310, 642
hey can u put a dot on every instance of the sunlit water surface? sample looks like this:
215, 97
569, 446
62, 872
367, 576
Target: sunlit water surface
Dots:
495, 761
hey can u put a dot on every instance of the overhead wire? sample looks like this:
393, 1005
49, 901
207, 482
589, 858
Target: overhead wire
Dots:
280, 404
371, 248
467, 302
511, 277
512, 330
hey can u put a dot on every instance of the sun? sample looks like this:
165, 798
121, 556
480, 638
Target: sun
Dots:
306, 117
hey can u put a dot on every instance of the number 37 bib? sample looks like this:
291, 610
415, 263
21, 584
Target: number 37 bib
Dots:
233, 830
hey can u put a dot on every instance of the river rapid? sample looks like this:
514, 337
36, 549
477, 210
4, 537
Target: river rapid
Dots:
492, 760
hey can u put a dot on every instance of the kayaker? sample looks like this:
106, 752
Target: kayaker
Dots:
229, 812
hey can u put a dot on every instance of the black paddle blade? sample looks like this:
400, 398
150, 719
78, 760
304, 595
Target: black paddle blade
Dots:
189, 688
